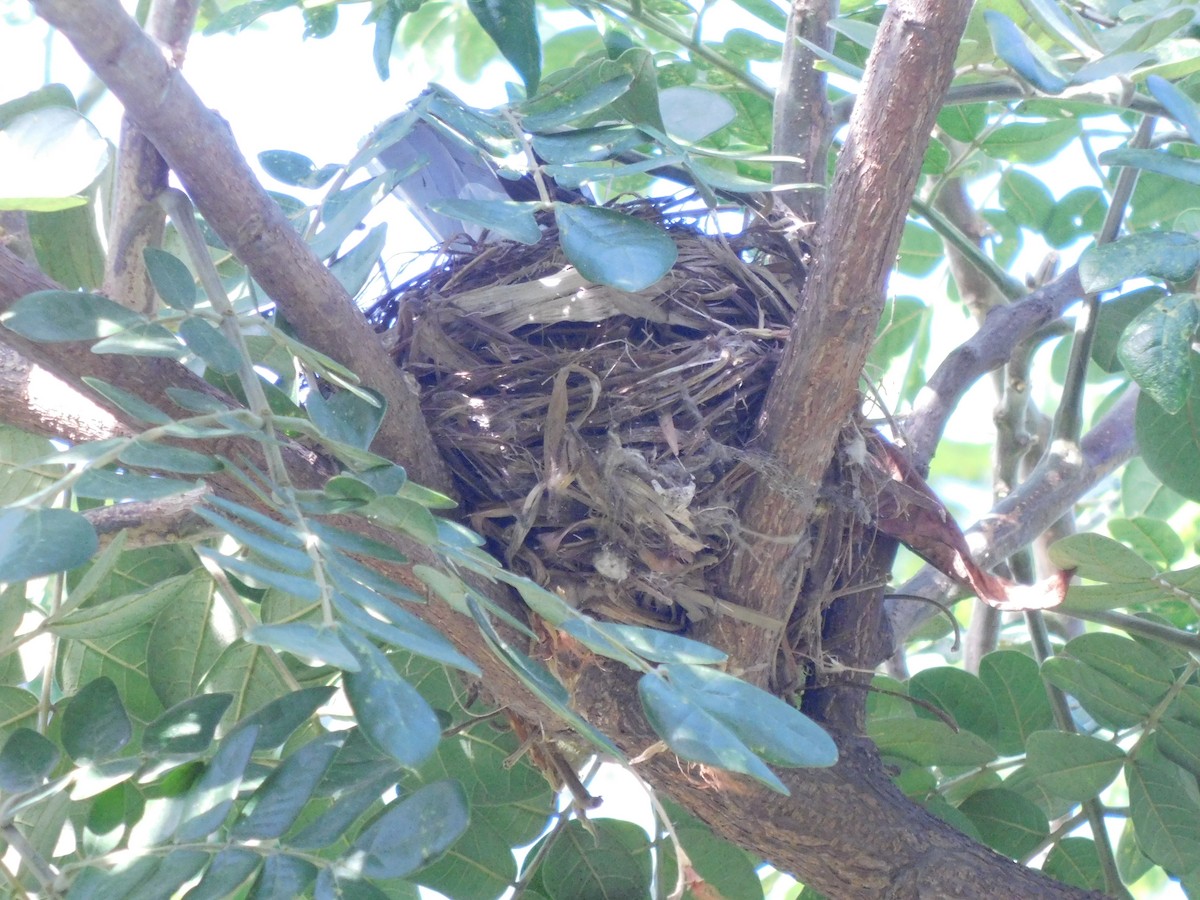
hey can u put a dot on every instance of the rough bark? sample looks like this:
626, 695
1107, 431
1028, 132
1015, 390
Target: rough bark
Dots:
815, 390
846, 831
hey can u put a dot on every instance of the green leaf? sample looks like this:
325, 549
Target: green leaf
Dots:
695, 734
130, 403
1098, 558
663, 646
187, 727
48, 157
963, 121
1074, 861
507, 218
295, 169
301, 587
290, 558
347, 417
18, 708
766, 11
148, 455
1006, 821
512, 24
960, 694
1158, 161
353, 268
49, 316
252, 674
1028, 142
333, 824
608, 247
314, 644
351, 542
1115, 316
1152, 539
406, 515
775, 730
1180, 743
1170, 444
36, 542
532, 675
123, 880
277, 803
1156, 349
920, 250
26, 761
573, 97
1177, 103
392, 715
929, 742
1164, 806
1108, 702
1064, 24
95, 725
1132, 665
171, 278
1026, 58
612, 861
1075, 766
209, 800
142, 339
230, 869
1081, 212
405, 631
413, 831
1026, 199
1166, 254
210, 345
67, 246
283, 876
280, 718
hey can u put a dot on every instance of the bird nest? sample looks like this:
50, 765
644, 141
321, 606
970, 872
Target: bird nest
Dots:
597, 436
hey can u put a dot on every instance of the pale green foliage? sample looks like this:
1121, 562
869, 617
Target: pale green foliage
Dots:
257, 707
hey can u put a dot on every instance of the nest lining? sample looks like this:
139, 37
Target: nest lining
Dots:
597, 436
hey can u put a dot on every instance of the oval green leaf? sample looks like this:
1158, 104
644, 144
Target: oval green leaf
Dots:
35, 542
609, 247
1156, 349
48, 316
413, 831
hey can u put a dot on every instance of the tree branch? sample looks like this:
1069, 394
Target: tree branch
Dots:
137, 221
1059, 480
199, 148
987, 349
803, 124
815, 389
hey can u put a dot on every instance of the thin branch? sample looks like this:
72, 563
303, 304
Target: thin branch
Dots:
1053, 488
200, 150
1068, 423
803, 125
136, 222
986, 350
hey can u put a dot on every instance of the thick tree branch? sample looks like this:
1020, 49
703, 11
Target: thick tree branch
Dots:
815, 389
36, 401
199, 148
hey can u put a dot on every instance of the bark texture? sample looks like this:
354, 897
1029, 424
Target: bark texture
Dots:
846, 831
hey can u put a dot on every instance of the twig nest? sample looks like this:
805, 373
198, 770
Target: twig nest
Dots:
597, 436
